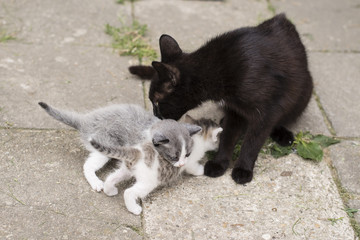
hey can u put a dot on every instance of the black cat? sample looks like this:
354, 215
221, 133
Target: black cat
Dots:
259, 73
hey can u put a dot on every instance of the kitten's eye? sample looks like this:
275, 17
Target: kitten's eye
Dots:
187, 155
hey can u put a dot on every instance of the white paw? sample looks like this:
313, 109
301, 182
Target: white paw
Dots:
110, 190
136, 209
97, 185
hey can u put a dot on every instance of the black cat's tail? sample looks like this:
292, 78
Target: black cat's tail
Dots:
69, 118
144, 72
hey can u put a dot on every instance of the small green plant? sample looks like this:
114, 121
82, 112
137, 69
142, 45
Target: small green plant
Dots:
311, 147
305, 145
130, 41
350, 211
123, 1
335, 220
4, 37
271, 8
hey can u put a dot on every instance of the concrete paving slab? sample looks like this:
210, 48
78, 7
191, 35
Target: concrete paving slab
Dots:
290, 198
336, 77
192, 23
62, 23
311, 120
345, 156
70, 77
355, 204
324, 25
45, 195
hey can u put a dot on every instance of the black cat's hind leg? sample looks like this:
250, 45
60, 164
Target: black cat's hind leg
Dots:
282, 136
233, 126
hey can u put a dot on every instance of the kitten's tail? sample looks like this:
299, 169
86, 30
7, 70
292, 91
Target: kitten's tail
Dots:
144, 72
127, 154
69, 118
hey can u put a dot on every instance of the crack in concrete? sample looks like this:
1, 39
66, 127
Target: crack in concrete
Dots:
324, 114
350, 51
344, 194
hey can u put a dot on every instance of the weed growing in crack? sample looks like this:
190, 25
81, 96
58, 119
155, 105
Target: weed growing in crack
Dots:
130, 41
306, 145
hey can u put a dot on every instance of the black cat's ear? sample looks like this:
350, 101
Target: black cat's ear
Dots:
169, 48
159, 139
166, 72
144, 72
193, 129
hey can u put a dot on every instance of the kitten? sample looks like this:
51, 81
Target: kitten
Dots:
260, 74
126, 125
152, 170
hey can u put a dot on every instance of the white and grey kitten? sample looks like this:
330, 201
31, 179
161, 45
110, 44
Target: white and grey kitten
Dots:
126, 125
150, 169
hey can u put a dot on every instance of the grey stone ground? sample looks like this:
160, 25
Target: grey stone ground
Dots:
61, 56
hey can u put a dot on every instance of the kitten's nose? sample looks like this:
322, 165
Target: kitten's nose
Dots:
181, 162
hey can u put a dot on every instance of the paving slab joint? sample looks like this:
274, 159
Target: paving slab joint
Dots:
133, 18
344, 194
325, 116
346, 51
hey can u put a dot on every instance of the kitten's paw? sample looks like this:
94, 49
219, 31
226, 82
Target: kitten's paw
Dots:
213, 169
282, 136
136, 209
97, 185
241, 176
110, 190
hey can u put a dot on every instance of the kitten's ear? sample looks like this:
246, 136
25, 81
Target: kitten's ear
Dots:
189, 119
159, 139
193, 129
215, 134
166, 72
169, 48
144, 72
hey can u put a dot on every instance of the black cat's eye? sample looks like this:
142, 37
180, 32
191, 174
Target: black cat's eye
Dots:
187, 155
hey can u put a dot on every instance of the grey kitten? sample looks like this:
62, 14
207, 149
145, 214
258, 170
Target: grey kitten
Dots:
150, 169
126, 125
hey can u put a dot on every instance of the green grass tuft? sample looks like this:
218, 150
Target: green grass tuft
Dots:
123, 1
5, 37
130, 41
271, 8
335, 220
350, 211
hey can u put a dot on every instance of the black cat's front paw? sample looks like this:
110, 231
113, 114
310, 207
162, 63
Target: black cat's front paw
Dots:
282, 136
213, 169
241, 176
